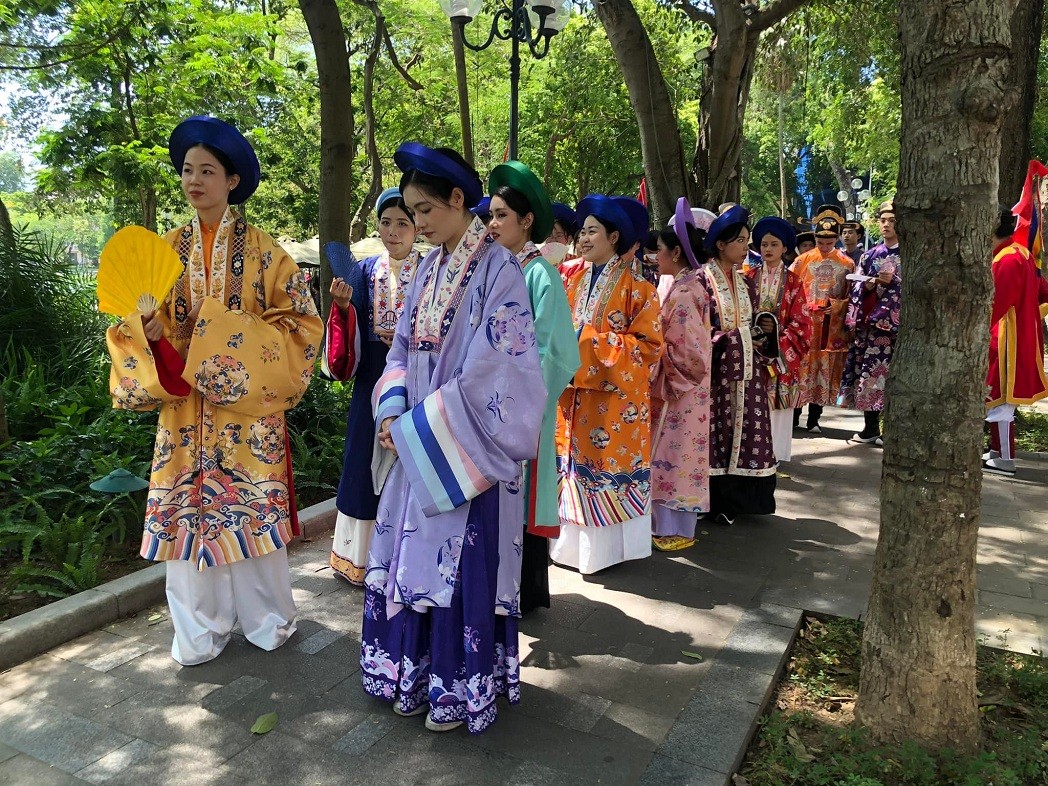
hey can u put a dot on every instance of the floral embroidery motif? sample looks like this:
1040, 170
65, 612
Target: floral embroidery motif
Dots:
510, 329
267, 439
235, 341
222, 379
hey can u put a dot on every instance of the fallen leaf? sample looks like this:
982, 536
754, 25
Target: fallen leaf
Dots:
739, 780
265, 723
687, 654
705, 532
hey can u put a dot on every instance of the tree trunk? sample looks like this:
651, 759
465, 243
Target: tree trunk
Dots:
840, 174
336, 128
660, 144
7, 230
918, 652
359, 225
147, 200
783, 206
463, 92
1026, 25
725, 91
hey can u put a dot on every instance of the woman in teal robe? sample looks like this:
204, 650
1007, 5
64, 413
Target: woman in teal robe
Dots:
521, 212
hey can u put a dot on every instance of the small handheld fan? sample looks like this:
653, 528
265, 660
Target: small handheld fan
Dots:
344, 265
137, 271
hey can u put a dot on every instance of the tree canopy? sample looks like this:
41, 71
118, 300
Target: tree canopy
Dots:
96, 87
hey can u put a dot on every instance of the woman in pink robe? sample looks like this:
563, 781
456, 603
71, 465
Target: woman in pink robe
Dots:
680, 391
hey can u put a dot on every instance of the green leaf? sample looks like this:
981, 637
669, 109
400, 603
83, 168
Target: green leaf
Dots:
695, 655
265, 723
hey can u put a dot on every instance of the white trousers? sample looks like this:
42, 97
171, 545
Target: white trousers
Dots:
1001, 419
206, 604
589, 549
782, 433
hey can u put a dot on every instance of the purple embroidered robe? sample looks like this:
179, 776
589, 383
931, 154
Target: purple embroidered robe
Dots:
740, 425
874, 316
464, 383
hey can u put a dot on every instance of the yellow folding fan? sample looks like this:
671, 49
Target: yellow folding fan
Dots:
137, 270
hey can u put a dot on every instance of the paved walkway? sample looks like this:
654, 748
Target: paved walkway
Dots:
610, 697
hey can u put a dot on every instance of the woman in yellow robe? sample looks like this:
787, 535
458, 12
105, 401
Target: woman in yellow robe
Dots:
604, 429
228, 352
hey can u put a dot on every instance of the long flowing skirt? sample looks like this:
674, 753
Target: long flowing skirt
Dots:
457, 659
349, 549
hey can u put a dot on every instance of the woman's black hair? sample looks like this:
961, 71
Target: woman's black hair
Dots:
697, 239
518, 203
571, 228
396, 202
438, 188
728, 235
622, 245
221, 157
653, 240
1005, 223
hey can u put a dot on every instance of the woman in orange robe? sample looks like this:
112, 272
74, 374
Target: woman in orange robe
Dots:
604, 431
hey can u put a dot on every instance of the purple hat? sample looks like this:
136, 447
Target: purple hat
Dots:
736, 214
412, 155
203, 129
777, 227
608, 209
683, 217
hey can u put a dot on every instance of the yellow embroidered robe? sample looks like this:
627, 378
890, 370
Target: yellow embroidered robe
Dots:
219, 491
604, 428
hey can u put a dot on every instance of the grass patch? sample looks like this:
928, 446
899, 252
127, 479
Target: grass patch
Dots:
809, 738
1031, 430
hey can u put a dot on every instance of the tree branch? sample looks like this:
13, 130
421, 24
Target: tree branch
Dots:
695, 14
774, 13
412, 82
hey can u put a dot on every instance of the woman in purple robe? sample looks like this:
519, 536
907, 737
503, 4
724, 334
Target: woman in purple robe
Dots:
745, 344
458, 407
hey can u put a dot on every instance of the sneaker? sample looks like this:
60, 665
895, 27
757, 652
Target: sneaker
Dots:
724, 519
865, 440
880, 442
1000, 466
815, 429
433, 725
990, 454
410, 713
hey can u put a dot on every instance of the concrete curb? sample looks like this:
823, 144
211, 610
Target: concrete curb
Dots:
27, 635
710, 737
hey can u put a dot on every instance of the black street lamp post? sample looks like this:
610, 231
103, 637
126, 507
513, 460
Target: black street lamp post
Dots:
531, 22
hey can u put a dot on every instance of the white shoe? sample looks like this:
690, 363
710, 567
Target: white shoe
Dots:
879, 442
865, 440
433, 725
1000, 466
990, 454
417, 711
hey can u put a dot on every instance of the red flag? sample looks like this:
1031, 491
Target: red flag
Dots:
642, 194
1028, 212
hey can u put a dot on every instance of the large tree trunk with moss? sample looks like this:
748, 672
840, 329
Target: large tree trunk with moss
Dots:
918, 668
660, 144
336, 127
1026, 25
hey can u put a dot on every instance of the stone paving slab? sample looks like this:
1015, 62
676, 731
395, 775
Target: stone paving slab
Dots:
608, 694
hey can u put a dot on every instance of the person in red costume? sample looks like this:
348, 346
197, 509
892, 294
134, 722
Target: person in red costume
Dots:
1016, 374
